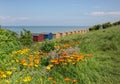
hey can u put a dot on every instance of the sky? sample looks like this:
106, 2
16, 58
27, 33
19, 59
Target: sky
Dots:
58, 12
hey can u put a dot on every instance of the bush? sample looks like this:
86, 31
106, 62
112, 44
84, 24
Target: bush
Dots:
116, 23
26, 38
8, 42
106, 25
47, 46
95, 27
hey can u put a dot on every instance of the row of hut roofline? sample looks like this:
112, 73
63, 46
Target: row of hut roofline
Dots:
39, 37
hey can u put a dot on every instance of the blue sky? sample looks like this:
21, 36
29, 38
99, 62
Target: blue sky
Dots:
58, 12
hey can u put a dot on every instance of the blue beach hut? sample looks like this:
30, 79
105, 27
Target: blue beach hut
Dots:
47, 35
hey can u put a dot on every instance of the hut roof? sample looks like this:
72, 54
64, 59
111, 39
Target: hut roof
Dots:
35, 34
45, 33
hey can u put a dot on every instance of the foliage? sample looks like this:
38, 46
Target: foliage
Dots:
116, 23
95, 61
8, 42
95, 27
47, 46
26, 38
106, 25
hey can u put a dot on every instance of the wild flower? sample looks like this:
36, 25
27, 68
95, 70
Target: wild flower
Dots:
9, 73
36, 61
48, 68
74, 81
50, 78
66, 79
27, 79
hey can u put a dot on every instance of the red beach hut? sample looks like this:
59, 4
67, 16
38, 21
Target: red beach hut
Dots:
37, 37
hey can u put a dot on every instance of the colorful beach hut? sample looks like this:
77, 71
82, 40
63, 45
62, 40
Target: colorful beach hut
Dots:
69, 33
64, 34
37, 37
58, 35
47, 35
54, 35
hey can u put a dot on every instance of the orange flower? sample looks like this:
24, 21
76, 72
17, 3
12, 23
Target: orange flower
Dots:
54, 82
74, 81
62, 60
52, 61
50, 78
36, 61
89, 55
23, 61
66, 79
56, 63
31, 64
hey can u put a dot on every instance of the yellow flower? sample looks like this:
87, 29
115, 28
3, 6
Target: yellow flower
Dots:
7, 81
48, 67
12, 61
41, 80
27, 79
3, 76
36, 65
17, 60
8, 73
24, 64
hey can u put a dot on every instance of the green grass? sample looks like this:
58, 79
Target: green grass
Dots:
105, 47
102, 68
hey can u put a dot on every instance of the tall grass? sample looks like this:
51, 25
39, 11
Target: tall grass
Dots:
103, 67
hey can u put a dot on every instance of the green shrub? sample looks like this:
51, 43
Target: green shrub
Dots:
26, 38
106, 25
116, 23
8, 42
47, 46
95, 27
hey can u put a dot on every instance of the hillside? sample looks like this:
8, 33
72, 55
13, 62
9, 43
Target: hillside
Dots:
91, 58
105, 46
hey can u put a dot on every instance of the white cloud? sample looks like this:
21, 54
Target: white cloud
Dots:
9, 18
115, 13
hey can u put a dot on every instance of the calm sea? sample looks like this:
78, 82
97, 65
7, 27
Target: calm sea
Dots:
39, 29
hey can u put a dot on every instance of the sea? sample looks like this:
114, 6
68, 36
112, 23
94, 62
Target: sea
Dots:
40, 29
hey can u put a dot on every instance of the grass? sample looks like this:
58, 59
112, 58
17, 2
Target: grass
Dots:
104, 44
101, 68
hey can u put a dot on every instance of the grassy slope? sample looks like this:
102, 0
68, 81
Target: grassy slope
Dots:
103, 67
105, 46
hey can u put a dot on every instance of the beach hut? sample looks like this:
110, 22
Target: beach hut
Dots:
54, 35
69, 33
73, 32
47, 35
37, 37
78, 31
84, 31
58, 35
64, 34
